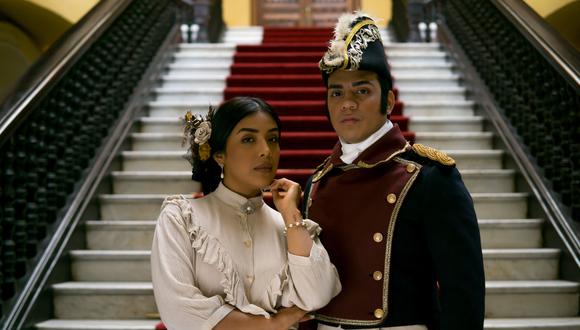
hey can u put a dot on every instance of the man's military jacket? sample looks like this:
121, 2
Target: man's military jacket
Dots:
401, 228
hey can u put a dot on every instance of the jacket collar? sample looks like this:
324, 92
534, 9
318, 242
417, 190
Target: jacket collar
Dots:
383, 150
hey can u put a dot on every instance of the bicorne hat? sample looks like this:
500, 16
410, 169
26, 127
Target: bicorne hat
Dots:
357, 45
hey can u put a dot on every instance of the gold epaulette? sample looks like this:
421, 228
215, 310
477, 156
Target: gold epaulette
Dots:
433, 154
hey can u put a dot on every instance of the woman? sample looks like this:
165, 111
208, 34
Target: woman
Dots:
227, 260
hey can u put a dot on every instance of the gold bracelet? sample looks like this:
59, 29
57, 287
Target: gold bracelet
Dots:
294, 225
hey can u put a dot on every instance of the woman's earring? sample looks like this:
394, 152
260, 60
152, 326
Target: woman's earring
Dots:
222, 173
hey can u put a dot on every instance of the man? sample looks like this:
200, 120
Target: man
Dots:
397, 219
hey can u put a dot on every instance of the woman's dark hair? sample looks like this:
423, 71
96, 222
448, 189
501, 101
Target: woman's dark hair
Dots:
226, 117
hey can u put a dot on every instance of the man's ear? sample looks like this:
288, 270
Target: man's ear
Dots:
390, 102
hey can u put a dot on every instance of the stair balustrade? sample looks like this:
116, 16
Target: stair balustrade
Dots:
53, 125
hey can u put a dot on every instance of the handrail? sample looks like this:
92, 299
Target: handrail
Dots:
549, 43
47, 71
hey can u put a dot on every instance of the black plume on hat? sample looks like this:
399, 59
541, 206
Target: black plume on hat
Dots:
357, 45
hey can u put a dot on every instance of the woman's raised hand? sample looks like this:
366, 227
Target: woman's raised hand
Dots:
286, 194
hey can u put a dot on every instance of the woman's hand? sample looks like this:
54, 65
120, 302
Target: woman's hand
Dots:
286, 195
288, 316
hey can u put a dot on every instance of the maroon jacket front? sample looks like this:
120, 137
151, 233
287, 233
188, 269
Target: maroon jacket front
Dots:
359, 239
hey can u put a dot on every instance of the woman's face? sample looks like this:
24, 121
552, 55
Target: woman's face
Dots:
252, 154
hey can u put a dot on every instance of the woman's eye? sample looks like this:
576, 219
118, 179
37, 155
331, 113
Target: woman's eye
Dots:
274, 139
248, 139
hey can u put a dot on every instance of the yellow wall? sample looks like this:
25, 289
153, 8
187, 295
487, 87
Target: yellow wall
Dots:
379, 9
547, 7
237, 12
71, 10
31, 26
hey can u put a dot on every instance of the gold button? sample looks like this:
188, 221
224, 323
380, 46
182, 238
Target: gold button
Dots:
378, 237
377, 275
379, 313
411, 168
391, 198
247, 243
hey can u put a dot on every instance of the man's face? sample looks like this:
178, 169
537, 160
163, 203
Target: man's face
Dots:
354, 101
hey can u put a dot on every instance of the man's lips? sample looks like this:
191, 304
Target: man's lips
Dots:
349, 120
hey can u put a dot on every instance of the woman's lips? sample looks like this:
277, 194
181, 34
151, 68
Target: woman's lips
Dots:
263, 168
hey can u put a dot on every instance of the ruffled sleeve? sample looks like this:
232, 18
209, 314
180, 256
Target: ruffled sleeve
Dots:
177, 242
307, 282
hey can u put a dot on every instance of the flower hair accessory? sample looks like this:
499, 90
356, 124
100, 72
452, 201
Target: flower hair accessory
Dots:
196, 134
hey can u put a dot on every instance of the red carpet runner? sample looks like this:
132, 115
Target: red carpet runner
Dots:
283, 70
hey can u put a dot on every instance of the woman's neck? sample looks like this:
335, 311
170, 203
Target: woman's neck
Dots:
247, 193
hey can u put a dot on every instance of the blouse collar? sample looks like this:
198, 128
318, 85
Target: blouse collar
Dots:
237, 201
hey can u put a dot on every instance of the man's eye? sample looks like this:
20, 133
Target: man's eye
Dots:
335, 93
362, 91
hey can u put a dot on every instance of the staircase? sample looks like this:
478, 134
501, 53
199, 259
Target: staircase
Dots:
111, 286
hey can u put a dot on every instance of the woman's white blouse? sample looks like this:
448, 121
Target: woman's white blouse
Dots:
223, 252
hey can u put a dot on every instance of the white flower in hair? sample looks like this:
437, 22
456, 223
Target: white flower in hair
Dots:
202, 133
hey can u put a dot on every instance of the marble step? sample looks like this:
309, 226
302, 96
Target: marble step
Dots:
138, 235
404, 80
412, 109
193, 82
572, 323
179, 182
441, 94
102, 300
568, 323
456, 140
199, 57
390, 48
420, 124
174, 161
421, 68
176, 109
415, 109
193, 69
134, 300
206, 47
537, 299
208, 95
134, 266
119, 235
147, 206
511, 233
112, 324
413, 46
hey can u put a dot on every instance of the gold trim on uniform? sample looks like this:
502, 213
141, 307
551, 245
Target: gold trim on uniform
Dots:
433, 154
